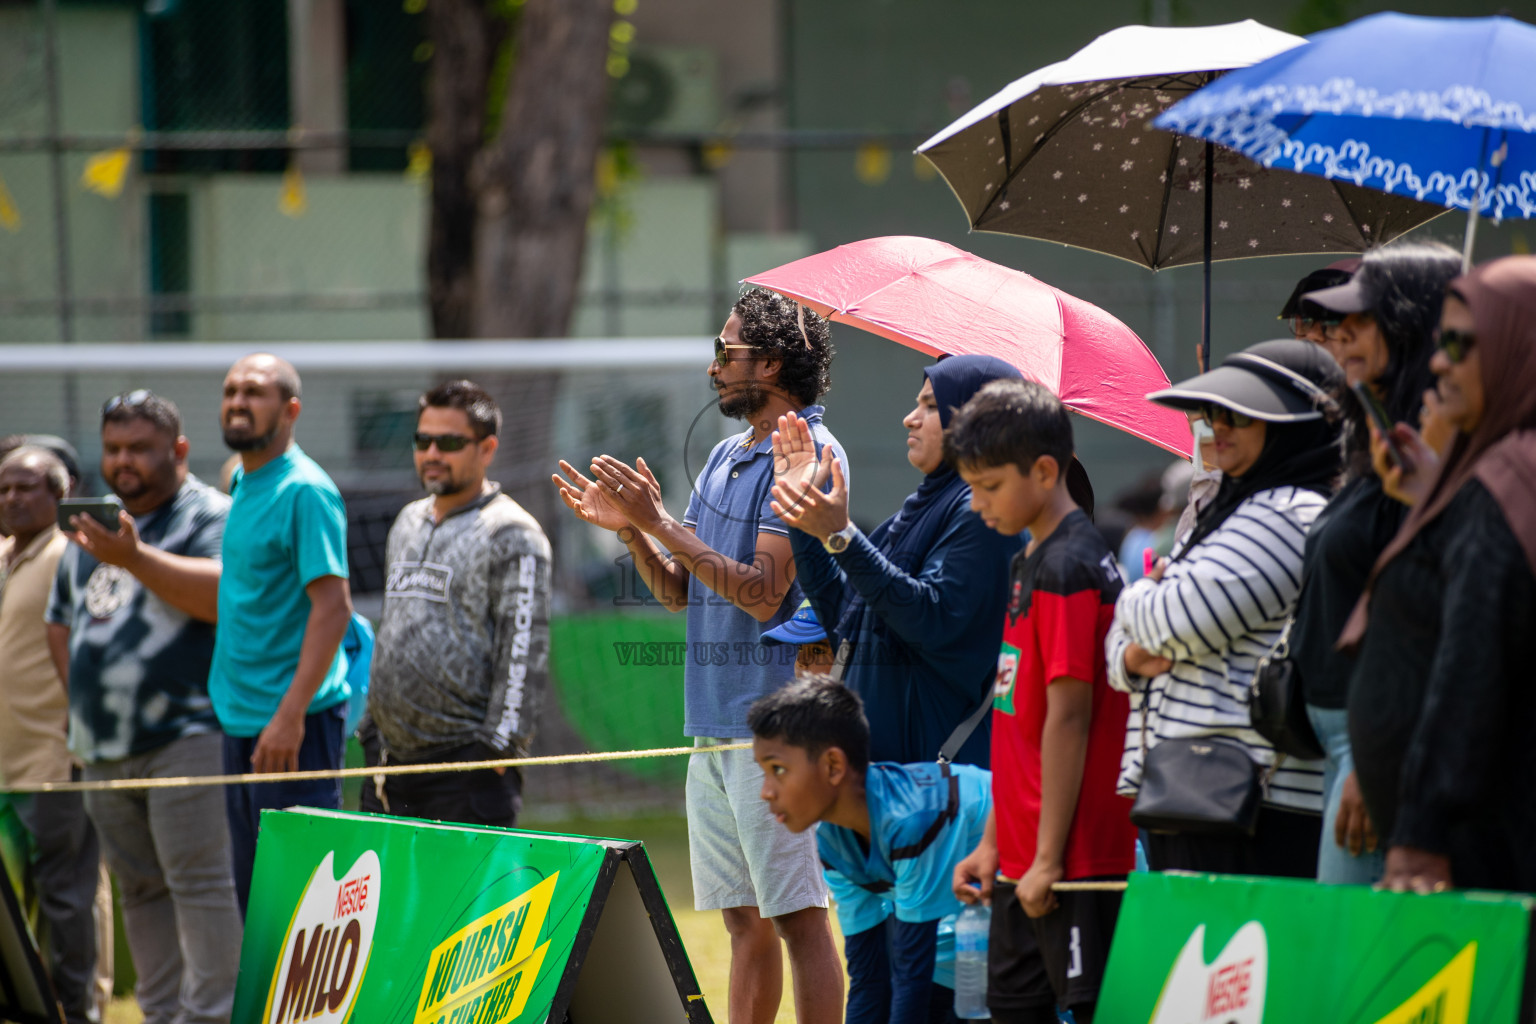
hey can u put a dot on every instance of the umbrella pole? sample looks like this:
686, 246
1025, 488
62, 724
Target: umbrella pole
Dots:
1471, 236
1204, 361
1477, 202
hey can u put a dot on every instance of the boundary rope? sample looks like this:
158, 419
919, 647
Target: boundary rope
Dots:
184, 781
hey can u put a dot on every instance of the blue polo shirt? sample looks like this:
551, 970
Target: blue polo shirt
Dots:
286, 528
923, 820
728, 666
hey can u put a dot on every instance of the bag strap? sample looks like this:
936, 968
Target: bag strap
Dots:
963, 731
840, 663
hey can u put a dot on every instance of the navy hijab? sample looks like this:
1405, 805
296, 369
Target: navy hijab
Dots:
906, 537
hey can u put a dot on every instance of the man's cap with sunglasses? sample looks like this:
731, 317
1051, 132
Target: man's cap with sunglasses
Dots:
1356, 295
1299, 303
1285, 381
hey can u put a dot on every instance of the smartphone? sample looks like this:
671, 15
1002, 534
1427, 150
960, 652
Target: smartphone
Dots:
103, 510
1378, 414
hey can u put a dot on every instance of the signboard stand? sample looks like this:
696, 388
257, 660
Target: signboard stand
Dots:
26, 994
615, 972
370, 918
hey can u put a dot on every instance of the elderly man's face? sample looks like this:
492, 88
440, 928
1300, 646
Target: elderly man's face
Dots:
27, 504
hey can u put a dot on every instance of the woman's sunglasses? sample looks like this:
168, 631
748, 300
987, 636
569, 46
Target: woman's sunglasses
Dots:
1211, 413
1455, 344
1301, 326
723, 351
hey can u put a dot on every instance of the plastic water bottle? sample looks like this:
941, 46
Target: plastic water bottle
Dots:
971, 929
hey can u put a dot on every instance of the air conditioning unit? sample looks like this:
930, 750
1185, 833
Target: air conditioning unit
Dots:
667, 89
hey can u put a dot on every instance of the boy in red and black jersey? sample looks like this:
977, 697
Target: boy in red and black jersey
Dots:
1057, 726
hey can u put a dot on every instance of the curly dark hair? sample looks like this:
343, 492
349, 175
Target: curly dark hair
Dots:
1407, 282
785, 330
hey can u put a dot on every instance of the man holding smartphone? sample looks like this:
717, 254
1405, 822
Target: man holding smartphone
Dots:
130, 628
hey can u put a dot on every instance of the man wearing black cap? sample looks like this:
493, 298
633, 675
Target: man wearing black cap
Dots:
1308, 320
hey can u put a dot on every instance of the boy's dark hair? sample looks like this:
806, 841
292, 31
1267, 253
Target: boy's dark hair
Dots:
478, 405
799, 337
1015, 421
142, 404
815, 712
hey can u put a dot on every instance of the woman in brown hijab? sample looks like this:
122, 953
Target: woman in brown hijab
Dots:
1442, 707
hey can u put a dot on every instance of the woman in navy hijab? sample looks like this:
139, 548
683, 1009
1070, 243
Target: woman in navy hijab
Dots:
919, 604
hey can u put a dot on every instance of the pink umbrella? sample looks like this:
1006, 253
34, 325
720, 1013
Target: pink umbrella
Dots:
938, 299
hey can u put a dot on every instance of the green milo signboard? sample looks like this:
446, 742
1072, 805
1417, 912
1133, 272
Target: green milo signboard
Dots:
1202, 949
365, 918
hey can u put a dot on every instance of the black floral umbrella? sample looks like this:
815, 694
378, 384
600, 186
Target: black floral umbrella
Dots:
1068, 154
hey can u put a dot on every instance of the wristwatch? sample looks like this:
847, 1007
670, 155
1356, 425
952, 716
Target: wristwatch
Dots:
839, 541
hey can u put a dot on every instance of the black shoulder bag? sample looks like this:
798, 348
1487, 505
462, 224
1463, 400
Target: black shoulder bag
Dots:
1276, 705
1203, 785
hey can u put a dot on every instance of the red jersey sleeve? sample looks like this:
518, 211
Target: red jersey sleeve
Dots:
1067, 629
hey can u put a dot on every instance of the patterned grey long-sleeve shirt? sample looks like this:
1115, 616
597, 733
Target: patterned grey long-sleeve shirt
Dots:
462, 652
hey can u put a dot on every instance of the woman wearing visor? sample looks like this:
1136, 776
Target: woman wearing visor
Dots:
1186, 638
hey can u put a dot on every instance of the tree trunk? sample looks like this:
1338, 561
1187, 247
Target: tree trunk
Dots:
534, 183
465, 38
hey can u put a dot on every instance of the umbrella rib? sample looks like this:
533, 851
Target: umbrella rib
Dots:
1045, 137
1162, 213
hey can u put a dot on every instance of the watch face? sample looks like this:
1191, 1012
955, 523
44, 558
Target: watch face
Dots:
837, 542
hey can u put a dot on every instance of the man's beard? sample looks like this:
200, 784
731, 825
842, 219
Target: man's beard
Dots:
442, 485
240, 442
743, 401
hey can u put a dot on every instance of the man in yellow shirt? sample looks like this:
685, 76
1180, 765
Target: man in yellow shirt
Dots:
34, 717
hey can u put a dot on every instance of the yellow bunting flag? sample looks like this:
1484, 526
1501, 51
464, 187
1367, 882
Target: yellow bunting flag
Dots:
420, 161
292, 202
106, 172
873, 163
10, 217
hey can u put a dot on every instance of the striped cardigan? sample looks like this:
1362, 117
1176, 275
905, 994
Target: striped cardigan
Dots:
1214, 614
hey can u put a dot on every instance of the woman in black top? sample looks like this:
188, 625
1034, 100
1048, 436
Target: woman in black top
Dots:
1389, 310
1441, 702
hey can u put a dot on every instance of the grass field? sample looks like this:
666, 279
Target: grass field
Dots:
666, 840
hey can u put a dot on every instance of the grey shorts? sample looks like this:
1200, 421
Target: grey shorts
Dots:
741, 856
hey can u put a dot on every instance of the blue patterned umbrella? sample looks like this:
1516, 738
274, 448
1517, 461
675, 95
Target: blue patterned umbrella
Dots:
1442, 110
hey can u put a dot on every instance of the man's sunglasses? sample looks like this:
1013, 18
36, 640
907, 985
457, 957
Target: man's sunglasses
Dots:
127, 400
444, 442
1455, 344
723, 351
1211, 413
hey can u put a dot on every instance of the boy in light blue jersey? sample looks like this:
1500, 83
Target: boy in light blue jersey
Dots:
894, 831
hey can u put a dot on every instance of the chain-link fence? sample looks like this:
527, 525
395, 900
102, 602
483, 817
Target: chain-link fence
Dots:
256, 170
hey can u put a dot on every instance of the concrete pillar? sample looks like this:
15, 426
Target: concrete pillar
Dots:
317, 78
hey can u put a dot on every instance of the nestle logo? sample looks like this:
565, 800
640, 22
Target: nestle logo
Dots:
352, 897
419, 579
1227, 991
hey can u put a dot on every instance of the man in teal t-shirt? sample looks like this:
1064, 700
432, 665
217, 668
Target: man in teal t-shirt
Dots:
279, 682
